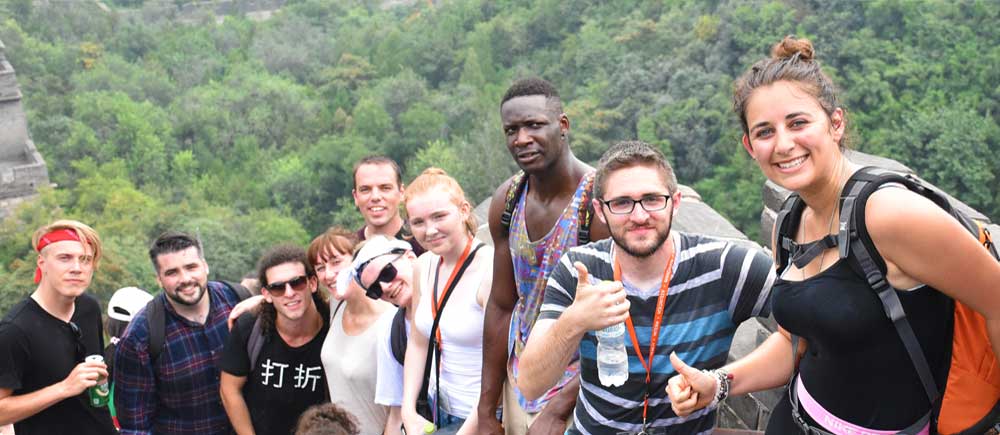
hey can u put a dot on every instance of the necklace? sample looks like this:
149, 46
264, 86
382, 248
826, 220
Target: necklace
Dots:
822, 255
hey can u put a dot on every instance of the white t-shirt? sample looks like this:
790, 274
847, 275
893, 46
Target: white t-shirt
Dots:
389, 379
461, 328
350, 373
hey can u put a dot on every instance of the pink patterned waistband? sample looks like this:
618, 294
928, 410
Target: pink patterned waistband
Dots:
834, 424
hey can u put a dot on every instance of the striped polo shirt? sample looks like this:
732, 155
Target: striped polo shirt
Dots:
715, 286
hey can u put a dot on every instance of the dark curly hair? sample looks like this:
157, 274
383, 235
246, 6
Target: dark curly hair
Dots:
275, 256
327, 419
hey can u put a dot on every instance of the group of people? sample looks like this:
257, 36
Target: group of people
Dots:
423, 327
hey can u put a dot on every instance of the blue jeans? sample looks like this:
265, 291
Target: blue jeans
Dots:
448, 424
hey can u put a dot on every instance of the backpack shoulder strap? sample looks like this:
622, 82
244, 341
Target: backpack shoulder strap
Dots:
240, 290
155, 324
255, 342
586, 211
865, 259
785, 225
397, 336
514, 191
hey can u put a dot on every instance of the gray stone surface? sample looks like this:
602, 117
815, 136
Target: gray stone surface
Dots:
774, 195
22, 169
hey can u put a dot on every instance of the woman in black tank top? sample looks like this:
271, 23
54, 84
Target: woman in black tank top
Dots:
854, 372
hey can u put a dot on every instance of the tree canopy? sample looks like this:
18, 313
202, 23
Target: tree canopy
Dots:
245, 132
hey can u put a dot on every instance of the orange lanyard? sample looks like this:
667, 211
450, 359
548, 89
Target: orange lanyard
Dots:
440, 299
661, 304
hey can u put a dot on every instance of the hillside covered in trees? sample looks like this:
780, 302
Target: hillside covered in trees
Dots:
245, 132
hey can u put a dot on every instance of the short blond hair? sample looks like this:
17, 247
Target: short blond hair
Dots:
86, 234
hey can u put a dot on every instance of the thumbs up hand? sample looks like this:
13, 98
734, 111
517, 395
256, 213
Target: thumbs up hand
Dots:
691, 389
599, 305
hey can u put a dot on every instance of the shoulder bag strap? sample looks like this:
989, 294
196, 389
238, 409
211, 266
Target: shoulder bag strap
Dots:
432, 338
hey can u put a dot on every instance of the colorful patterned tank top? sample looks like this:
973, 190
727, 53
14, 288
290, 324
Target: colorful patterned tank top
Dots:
533, 262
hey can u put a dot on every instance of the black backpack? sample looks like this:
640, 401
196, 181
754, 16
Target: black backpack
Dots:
969, 402
156, 323
397, 335
517, 185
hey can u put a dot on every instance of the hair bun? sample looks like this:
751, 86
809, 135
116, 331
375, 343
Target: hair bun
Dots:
790, 46
433, 170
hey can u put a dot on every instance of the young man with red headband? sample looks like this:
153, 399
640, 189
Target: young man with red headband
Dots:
674, 292
45, 338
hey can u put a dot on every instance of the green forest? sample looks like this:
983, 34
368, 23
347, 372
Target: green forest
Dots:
245, 132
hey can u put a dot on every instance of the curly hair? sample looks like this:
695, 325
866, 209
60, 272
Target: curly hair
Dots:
327, 419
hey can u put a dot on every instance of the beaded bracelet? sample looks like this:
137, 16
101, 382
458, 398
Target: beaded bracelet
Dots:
723, 382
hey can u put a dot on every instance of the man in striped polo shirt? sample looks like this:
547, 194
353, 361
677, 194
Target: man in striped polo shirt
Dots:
674, 292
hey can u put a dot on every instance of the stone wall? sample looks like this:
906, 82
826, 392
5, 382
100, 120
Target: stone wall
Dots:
198, 11
22, 168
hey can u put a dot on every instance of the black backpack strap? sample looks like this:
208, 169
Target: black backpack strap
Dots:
514, 191
793, 395
397, 335
785, 225
865, 258
240, 290
156, 324
255, 342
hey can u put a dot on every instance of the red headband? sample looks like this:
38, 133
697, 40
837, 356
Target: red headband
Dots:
60, 235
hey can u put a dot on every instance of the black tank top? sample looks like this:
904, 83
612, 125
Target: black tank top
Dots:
856, 366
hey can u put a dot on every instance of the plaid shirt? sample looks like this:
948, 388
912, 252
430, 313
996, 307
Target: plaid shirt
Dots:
180, 395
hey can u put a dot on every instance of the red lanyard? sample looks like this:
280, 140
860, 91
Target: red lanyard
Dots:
661, 303
436, 302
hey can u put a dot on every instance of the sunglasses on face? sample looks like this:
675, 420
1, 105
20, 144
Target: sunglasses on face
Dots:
298, 284
387, 274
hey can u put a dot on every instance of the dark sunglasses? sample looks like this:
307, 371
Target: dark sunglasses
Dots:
387, 274
81, 351
298, 284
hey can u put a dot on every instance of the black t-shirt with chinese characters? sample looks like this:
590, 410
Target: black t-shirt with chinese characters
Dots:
285, 380
38, 350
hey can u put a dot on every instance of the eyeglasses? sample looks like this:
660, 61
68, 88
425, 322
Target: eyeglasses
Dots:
626, 205
298, 284
81, 350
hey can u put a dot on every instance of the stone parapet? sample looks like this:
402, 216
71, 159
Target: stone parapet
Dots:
774, 195
22, 168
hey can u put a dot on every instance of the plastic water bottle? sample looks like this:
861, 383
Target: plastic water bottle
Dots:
612, 361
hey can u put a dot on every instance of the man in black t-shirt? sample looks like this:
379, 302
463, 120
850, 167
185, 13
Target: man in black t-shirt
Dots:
45, 338
265, 391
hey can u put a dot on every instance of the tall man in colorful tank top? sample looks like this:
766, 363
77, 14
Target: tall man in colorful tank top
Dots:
674, 292
545, 224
